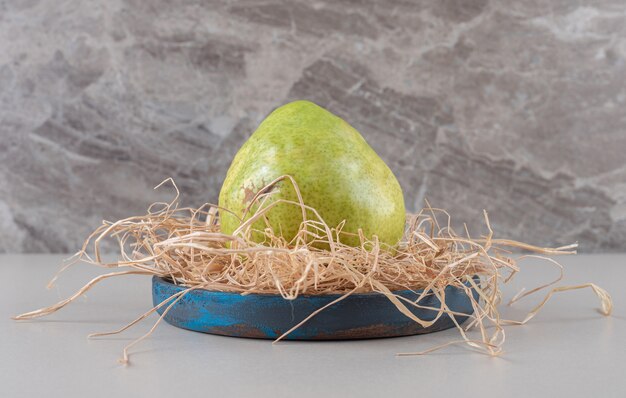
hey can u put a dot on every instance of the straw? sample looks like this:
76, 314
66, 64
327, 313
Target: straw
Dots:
186, 245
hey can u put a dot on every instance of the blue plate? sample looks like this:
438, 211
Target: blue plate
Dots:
266, 316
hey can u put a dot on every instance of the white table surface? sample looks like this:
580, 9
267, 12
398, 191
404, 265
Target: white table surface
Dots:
568, 350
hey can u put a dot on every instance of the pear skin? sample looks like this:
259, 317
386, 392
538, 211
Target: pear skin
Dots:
337, 172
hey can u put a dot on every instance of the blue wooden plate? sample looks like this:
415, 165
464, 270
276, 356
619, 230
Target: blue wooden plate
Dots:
266, 316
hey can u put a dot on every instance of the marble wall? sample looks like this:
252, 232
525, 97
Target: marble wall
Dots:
515, 106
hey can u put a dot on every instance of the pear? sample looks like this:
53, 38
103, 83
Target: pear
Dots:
336, 171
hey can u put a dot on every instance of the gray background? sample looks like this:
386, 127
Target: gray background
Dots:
513, 106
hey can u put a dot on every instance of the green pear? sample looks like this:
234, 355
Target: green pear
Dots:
337, 172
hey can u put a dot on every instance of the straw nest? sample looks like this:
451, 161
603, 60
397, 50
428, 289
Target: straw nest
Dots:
186, 246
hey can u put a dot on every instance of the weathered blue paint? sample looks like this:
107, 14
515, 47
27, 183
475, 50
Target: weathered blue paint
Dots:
368, 315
